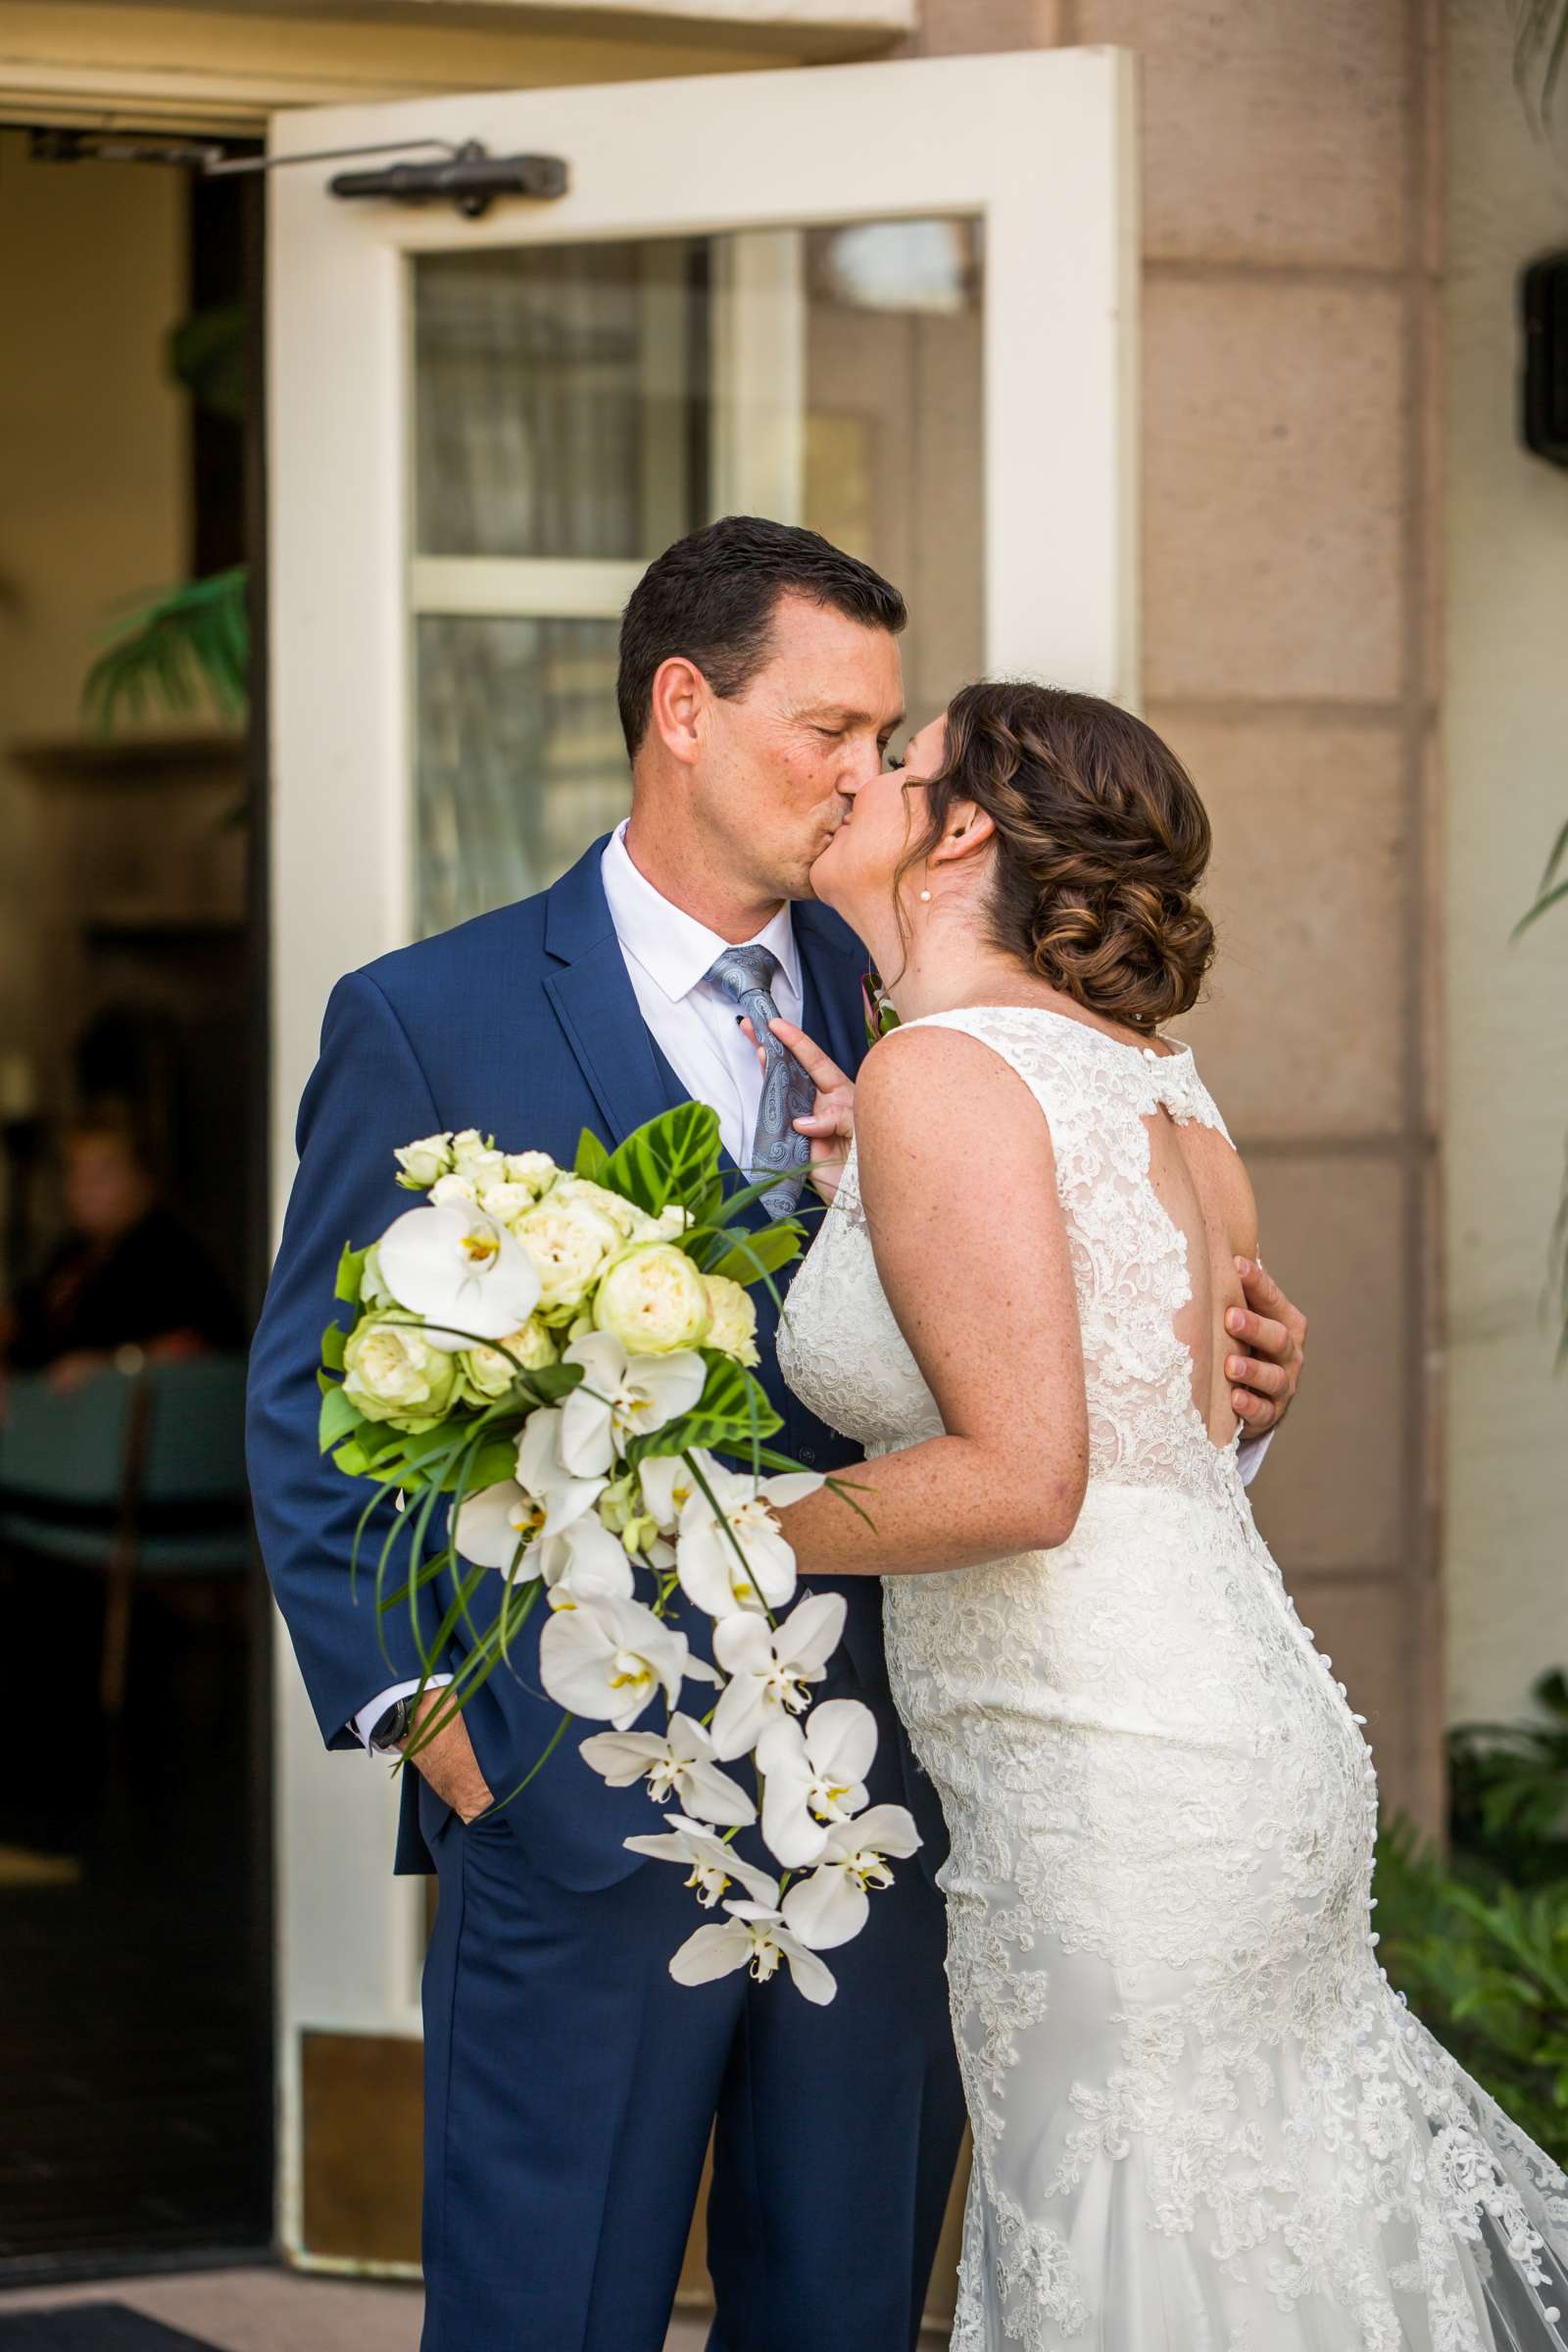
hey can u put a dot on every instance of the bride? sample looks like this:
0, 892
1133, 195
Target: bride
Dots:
1203, 2120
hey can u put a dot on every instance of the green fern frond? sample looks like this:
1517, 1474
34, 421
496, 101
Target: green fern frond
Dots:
174, 652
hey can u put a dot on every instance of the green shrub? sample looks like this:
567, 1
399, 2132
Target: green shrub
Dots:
1479, 1942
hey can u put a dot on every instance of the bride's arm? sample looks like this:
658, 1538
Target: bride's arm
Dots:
957, 1180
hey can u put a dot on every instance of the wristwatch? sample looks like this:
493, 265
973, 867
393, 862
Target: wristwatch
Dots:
394, 1727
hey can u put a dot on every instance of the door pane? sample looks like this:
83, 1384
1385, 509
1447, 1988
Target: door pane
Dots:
585, 405
520, 758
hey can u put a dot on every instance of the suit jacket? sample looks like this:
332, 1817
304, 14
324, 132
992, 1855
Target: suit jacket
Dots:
522, 1022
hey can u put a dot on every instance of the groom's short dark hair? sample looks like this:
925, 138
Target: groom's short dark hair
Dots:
710, 598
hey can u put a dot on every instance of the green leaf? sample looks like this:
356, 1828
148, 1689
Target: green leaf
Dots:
338, 1419
335, 1341
673, 1157
551, 1382
593, 1160
350, 1275
752, 1256
174, 650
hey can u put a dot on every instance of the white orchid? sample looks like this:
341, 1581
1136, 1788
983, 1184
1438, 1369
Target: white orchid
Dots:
459, 1269
542, 1470
753, 1936
562, 1540
814, 1777
769, 1668
832, 1904
713, 1861
621, 1397
679, 1764
736, 1557
605, 1658
496, 1528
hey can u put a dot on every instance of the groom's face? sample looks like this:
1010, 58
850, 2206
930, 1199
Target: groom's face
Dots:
784, 758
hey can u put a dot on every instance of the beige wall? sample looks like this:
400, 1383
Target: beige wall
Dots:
1292, 234
1507, 759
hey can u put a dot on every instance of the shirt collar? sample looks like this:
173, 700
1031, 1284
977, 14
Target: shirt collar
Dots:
673, 948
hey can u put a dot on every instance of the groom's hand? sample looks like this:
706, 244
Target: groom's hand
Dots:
448, 1762
1273, 1334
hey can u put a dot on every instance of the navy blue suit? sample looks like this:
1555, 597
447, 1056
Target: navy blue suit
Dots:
570, 2084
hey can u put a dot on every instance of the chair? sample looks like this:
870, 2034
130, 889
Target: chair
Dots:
131, 1475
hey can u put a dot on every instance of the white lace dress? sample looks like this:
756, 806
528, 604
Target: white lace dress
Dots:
1203, 2120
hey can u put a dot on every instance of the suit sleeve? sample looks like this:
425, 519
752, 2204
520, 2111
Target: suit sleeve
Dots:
367, 1094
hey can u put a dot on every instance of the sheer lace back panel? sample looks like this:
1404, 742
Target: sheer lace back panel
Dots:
1130, 1261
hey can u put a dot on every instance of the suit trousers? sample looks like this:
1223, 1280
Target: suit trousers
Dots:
571, 2087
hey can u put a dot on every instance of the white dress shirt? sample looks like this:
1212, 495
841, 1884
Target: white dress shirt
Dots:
669, 956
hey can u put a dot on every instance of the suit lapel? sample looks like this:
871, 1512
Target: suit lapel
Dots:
594, 1001
832, 961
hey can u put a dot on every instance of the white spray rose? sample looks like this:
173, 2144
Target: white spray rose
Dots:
732, 1319
653, 1302
452, 1190
423, 1161
475, 1157
569, 1242
487, 1371
626, 1216
535, 1169
506, 1201
393, 1373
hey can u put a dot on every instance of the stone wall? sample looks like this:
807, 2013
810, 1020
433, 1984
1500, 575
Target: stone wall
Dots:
1293, 190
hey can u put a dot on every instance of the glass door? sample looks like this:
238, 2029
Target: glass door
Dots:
577, 407
893, 302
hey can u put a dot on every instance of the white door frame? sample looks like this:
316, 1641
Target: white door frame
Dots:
1040, 148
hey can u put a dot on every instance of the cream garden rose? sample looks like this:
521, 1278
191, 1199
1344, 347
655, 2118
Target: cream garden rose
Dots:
393, 1373
489, 1372
570, 1242
652, 1299
732, 1319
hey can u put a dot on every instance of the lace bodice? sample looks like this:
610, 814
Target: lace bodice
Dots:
1129, 1263
1202, 2121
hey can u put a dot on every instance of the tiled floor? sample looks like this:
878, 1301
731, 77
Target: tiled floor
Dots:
258, 2311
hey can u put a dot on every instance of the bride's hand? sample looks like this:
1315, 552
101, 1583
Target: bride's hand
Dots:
830, 1123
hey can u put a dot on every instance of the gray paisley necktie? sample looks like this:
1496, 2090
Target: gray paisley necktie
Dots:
745, 976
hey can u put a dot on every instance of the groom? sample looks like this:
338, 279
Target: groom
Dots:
571, 2086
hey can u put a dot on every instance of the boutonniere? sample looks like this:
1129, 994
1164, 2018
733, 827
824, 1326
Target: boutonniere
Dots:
880, 1015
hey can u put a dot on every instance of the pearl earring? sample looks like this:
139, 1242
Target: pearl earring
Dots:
925, 894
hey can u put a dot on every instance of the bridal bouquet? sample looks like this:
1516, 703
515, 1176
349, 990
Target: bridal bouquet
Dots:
545, 1368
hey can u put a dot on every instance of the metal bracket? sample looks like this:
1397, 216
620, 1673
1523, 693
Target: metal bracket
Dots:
468, 175
472, 178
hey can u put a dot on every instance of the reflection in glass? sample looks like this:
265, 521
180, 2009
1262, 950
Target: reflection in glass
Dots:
520, 758
554, 391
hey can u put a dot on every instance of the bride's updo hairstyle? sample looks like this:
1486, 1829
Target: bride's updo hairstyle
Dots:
1100, 844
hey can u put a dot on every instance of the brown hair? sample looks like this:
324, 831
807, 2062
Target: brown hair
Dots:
1100, 844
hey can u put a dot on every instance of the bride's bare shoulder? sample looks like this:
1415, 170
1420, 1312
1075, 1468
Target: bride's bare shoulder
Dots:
943, 1093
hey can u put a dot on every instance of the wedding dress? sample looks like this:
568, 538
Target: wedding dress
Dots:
1203, 2121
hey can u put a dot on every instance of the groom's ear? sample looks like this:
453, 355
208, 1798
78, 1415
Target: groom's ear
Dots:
679, 707
968, 832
